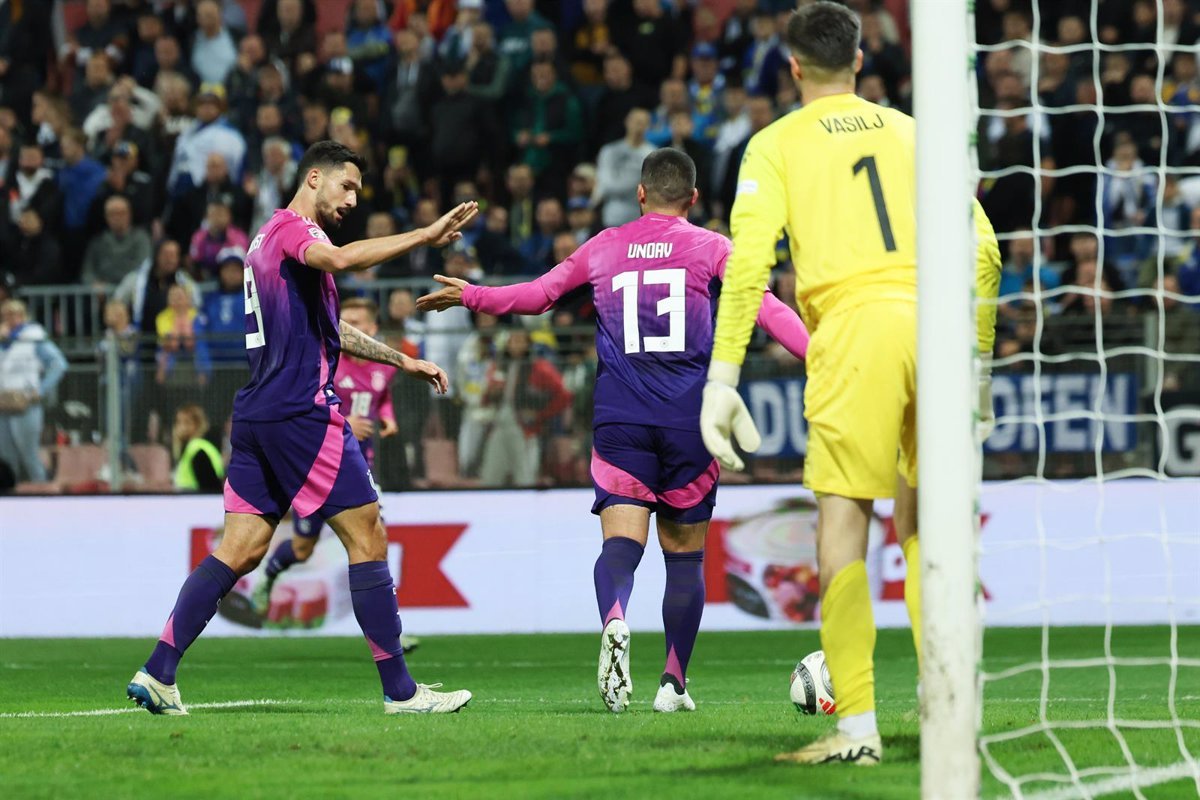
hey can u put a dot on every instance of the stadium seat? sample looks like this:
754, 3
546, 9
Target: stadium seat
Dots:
79, 463
37, 487
153, 462
441, 462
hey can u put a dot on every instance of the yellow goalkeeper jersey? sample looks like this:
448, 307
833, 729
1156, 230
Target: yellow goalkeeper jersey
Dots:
839, 177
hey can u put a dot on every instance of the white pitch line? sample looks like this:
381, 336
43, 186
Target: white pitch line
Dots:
105, 712
1141, 779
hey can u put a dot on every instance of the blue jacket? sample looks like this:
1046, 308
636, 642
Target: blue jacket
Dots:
79, 184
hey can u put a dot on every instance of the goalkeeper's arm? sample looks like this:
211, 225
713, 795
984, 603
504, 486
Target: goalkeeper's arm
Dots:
759, 214
987, 289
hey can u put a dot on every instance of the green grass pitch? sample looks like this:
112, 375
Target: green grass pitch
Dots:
536, 728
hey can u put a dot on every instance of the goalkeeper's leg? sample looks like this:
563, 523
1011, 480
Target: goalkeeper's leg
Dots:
905, 518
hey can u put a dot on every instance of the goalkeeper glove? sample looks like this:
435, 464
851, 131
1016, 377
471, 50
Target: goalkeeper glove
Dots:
724, 417
987, 416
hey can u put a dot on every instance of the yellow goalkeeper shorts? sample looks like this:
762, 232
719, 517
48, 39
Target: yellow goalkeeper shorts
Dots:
861, 400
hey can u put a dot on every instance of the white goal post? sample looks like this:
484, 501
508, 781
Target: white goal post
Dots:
946, 391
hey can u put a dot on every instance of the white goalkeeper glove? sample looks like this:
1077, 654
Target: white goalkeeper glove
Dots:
724, 417
987, 416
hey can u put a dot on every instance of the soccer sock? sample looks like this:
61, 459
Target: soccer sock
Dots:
848, 638
683, 605
283, 557
619, 558
912, 591
197, 602
374, 598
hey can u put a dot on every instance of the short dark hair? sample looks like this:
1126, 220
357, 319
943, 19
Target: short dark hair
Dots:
326, 155
365, 303
669, 177
825, 35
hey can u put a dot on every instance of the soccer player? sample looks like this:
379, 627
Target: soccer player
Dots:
839, 175
291, 445
364, 392
655, 281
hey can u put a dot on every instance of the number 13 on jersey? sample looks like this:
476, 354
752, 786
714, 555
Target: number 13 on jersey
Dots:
672, 306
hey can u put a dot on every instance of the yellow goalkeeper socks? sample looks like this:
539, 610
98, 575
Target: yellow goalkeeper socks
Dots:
848, 638
912, 590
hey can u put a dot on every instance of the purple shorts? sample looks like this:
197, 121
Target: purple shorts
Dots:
313, 524
310, 462
666, 470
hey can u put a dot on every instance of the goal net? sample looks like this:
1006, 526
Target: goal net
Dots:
1087, 151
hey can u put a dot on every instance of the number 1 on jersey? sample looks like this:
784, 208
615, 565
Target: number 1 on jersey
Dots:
885, 223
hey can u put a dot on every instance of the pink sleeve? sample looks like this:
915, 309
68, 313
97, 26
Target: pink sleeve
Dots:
783, 324
385, 406
724, 248
298, 235
532, 297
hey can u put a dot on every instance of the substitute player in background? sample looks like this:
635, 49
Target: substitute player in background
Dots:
655, 281
291, 445
839, 176
364, 390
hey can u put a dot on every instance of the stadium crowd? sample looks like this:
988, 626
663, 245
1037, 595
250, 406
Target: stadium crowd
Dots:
142, 155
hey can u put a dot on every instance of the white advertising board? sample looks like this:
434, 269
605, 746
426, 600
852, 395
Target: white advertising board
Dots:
495, 562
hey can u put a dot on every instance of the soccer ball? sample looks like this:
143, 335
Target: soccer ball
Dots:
811, 689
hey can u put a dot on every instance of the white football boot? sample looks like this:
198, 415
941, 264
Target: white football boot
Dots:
836, 747
427, 701
154, 696
409, 643
613, 678
669, 699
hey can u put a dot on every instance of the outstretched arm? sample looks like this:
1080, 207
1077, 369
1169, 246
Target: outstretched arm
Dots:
357, 343
784, 325
367, 253
532, 297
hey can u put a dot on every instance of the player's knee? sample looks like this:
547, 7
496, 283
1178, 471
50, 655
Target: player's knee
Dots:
242, 560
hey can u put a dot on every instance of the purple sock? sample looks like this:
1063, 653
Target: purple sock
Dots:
619, 558
283, 557
198, 599
374, 597
683, 604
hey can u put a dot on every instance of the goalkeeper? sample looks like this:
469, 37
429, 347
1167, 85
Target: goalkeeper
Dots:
839, 176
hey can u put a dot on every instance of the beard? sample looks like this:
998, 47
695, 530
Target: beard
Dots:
327, 216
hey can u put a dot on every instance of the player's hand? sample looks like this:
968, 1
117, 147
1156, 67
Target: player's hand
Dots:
361, 427
724, 417
388, 427
446, 229
442, 299
426, 371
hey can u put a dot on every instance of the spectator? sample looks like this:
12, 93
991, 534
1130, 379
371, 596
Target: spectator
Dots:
619, 96
408, 91
515, 37
33, 186
737, 35
119, 335
761, 114
591, 41
316, 124
526, 393
50, 117
168, 58
369, 42
269, 187
487, 72
404, 331
183, 364
198, 463
210, 133
496, 252
145, 290
581, 219
380, 224
215, 235
462, 129
886, 59
653, 44
1181, 331
125, 178
176, 117
142, 65
79, 180
223, 313
444, 335
116, 253
188, 212
705, 91
538, 248
336, 89
25, 31
35, 257
424, 261
241, 84
101, 34
1018, 272
519, 183
765, 57
214, 54
470, 375
31, 367
1129, 192
548, 127
619, 170
683, 138
127, 117
733, 130
673, 97
268, 123
456, 43
93, 89
295, 37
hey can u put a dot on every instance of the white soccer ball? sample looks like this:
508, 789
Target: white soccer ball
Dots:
811, 689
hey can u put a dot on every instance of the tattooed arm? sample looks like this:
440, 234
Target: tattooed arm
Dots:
357, 343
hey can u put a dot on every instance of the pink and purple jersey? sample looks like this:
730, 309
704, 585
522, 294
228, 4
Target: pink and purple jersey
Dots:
292, 337
364, 388
655, 282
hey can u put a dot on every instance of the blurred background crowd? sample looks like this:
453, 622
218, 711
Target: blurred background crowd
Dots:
143, 142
